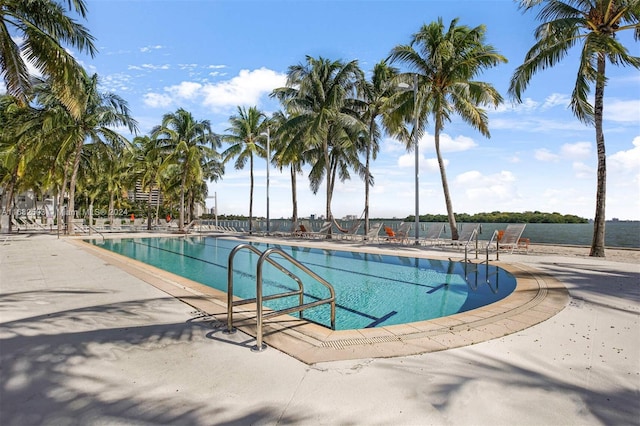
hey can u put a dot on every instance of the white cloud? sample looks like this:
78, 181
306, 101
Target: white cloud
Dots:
544, 154
583, 171
486, 188
556, 99
245, 89
157, 100
447, 143
576, 151
627, 160
426, 165
622, 111
146, 49
527, 105
185, 90
156, 67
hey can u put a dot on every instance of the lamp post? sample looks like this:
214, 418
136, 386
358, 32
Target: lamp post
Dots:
415, 146
267, 134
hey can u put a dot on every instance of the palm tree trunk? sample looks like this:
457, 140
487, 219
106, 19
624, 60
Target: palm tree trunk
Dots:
366, 179
251, 194
72, 188
91, 200
149, 208
111, 212
294, 198
181, 215
328, 167
445, 185
10, 197
597, 244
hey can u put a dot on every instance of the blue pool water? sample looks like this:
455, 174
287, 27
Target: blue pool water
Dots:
371, 290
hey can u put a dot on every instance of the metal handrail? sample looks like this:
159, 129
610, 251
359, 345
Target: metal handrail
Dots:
259, 316
265, 257
231, 303
91, 228
488, 276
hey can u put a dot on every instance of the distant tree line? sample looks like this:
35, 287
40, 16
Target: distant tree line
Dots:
504, 217
493, 217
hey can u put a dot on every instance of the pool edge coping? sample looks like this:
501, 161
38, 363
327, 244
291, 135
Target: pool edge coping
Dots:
536, 298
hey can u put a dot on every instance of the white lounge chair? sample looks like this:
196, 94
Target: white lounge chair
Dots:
401, 235
467, 235
321, 233
511, 239
433, 235
372, 235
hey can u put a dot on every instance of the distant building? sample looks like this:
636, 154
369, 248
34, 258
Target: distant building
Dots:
139, 195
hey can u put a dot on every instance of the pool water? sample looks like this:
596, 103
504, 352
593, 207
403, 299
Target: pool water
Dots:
371, 290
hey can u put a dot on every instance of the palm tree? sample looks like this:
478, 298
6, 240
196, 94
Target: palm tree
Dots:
244, 137
321, 96
91, 176
445, 64
592, 24
98, 115
14, 151
289, 150
190, 143
43, 25
147, 164
377, 95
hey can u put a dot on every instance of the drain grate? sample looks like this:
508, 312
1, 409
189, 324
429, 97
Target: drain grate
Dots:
341, 344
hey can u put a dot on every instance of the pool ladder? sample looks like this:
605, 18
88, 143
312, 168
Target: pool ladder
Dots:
260, 315
473, 268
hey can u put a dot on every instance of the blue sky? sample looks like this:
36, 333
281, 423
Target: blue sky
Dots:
211, 56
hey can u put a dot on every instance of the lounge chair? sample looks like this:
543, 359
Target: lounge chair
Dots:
349, 233
467, 235
322, 232
352, 233
401, 235
372, 235
433, 235
511, 238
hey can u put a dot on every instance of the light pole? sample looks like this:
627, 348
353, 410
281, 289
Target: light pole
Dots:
415, 146
267, 134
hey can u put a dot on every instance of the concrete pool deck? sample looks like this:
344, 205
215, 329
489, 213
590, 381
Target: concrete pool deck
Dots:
85, 339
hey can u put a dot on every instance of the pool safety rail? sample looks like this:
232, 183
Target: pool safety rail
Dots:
260, 315
472, 269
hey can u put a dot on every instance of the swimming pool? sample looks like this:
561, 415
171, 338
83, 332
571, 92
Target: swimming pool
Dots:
372, 290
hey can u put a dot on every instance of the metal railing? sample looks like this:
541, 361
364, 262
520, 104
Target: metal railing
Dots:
473, 268
260, 316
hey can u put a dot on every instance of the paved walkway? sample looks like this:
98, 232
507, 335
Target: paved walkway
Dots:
84, 342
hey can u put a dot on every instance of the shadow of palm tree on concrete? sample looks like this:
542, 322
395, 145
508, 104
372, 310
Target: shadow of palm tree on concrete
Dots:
67, 368
592, 282
464, 380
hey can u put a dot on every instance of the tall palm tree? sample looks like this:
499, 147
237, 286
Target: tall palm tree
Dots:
322, 96
147, 164
446, 60
289, 150
593, 24
190, 143
15, 151
99, 115
91, 176
244, 137
378, 93
42, 27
